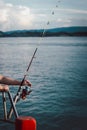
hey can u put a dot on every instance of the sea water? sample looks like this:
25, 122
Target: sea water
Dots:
58, 74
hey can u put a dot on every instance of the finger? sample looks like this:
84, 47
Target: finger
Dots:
28, 83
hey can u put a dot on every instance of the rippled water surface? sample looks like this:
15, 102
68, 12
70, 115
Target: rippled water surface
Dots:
59, 80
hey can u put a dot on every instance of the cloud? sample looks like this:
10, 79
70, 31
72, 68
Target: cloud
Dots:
74, 11
71, 17
65, 22
15, 17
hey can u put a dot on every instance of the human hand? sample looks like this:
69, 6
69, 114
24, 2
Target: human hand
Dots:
26, 83
4, 88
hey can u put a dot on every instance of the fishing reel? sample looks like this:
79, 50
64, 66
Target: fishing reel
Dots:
25, 91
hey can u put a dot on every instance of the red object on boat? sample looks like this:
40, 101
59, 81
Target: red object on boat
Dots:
25, 123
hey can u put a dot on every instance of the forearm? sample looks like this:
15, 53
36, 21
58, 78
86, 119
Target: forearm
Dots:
9, 81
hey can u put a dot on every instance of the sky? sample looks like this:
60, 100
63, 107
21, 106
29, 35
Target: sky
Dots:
40, 14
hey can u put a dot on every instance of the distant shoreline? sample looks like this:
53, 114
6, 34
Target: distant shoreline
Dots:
55, 32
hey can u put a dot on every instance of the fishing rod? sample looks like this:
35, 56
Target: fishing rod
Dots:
26, 90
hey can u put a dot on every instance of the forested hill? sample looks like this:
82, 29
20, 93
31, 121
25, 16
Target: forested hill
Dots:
63, 31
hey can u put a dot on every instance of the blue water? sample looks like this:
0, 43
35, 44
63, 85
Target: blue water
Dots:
59, 80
